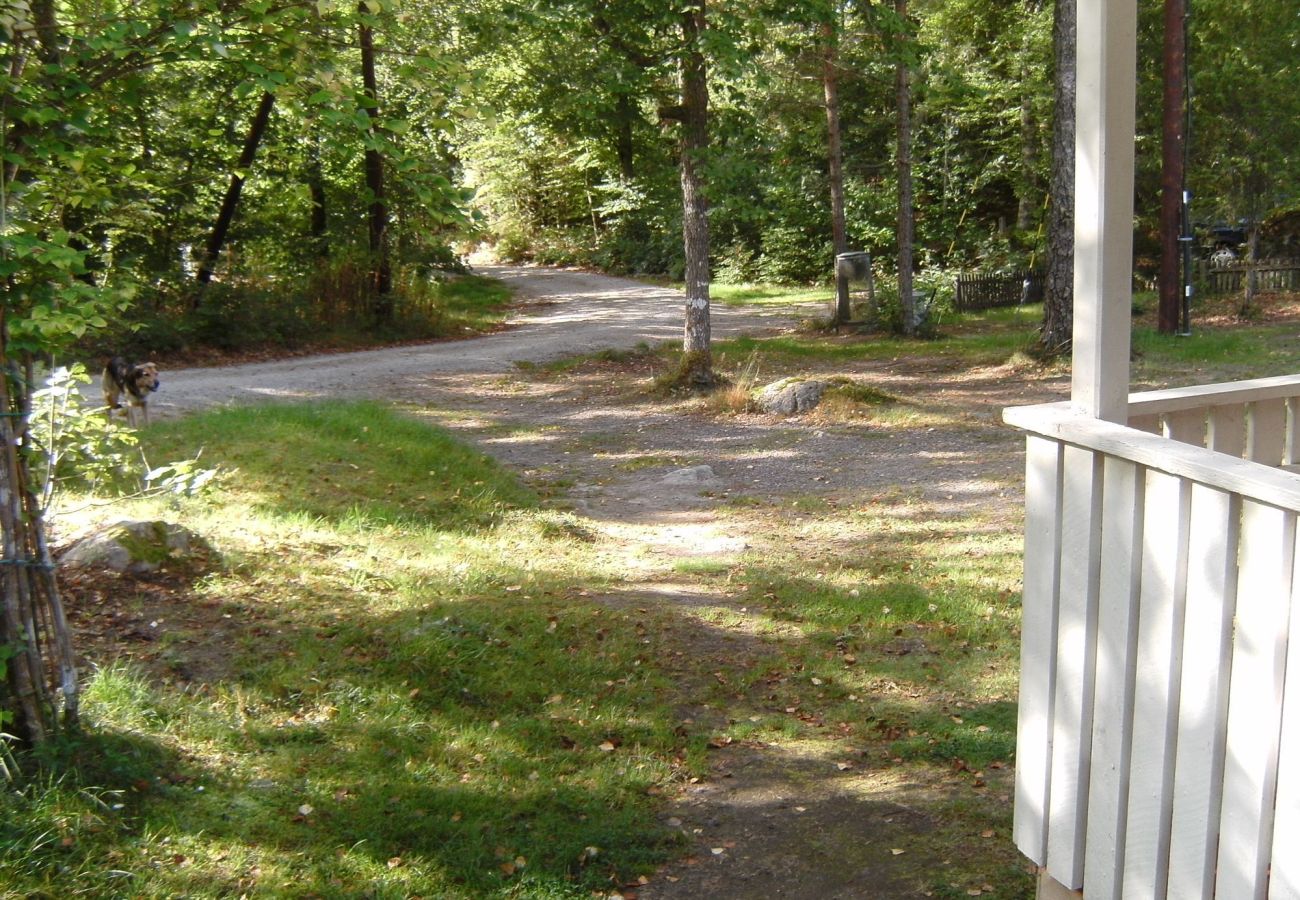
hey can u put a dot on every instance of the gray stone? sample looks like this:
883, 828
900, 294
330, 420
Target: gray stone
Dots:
691, 476
791, 396
138, 547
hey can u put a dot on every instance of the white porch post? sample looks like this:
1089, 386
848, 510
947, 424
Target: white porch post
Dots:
1103, 224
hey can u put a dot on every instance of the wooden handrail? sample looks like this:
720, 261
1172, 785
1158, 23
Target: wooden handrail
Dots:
1207, 395
1265, 484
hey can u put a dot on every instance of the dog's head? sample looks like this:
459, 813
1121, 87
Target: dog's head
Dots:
145, 377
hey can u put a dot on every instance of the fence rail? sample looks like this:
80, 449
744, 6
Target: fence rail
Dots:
975, 292
1271, 275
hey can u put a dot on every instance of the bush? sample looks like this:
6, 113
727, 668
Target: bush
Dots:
793, 256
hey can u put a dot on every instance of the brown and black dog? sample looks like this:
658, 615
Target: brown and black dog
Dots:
135, 381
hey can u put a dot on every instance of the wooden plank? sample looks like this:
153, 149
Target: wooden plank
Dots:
1266, 431
1292, 454
1051, 889
1158, 677
1123, 505
1233, 393
1076, 656
1227, 433
1187, 426
1236, 476
1203, 705
1043, 475
1255, 700
1284, 883
1149, 424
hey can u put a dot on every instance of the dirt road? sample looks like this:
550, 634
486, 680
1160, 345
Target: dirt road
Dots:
562, 313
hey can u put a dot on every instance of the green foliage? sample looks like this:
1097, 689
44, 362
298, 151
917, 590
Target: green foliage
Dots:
77, 447
76, 444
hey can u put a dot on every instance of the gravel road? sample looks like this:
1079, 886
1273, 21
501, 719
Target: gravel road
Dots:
562, 313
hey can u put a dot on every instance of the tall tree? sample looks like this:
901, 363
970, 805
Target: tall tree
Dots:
381, 275
835, 154
692, 116
1058, 296
230, 203
1173, 159
906, 207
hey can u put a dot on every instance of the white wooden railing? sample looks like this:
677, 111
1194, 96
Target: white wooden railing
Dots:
1159, 727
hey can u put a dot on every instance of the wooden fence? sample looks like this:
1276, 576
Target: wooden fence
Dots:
987, 291
1272, 275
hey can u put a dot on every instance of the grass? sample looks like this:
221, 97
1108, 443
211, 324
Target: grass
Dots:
416, 679
417, 698
469, 303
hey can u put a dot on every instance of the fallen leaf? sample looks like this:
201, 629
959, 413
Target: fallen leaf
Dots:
986, 833
897, 851
305, 810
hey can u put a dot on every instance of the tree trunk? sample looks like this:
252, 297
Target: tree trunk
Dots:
39, 660
230, 203
1171, 166
1058, 294
36, 657
381, 278
625, 112
319, 218
697, 345
906, 212
835, 160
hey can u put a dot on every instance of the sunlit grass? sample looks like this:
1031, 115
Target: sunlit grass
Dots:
419, 697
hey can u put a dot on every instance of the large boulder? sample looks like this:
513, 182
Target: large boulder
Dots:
791, 396
139, 547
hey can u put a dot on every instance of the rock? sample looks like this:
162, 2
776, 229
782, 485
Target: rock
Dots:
791, 396
138, 547
691, 476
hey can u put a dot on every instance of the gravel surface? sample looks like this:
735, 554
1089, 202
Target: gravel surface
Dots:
563, 313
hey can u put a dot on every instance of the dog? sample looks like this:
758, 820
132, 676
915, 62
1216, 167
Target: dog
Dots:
135, 382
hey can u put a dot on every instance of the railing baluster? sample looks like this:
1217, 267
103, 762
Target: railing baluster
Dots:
1203, 706
1076, 658
1285, 874
1255, 700
1155, 703
1187, 426
1149, 424
1292, 452
1266, 432
1227, 431
1123, 502
1043, 474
